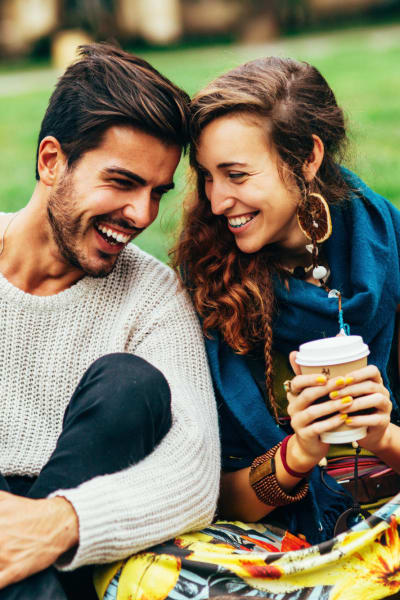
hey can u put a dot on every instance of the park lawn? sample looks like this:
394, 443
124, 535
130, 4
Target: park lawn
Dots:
362, 66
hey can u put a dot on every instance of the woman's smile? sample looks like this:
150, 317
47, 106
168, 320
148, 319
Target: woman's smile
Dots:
240, 223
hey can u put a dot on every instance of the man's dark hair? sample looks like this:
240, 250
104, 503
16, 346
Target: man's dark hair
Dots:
107, 87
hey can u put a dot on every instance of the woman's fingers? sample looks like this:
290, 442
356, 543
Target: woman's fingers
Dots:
303, 382
292, 359
319, 427
377, 400
374, 419
322, 410
309, 406
308, 389
369, 372
364, 381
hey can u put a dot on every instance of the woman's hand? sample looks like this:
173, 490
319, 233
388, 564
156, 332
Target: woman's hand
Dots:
359, 390
309, 419
370, 395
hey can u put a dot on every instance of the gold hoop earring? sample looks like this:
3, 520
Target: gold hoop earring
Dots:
314, 219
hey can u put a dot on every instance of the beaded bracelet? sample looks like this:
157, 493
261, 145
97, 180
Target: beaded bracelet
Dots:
288, 470
263, 480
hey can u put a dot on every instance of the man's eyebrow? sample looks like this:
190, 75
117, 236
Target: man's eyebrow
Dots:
125, 173
134, 177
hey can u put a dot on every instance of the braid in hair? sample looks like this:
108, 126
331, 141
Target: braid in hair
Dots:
268, 338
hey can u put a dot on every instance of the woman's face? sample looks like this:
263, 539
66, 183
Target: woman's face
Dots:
243, 184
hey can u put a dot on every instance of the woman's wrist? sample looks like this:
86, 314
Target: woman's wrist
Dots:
297, 459
269, 489
383, 444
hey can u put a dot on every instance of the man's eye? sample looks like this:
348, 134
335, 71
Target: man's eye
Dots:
122, 182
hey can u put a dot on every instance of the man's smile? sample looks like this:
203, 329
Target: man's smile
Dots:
112, 235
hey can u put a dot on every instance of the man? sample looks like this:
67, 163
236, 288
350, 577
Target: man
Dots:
95, 464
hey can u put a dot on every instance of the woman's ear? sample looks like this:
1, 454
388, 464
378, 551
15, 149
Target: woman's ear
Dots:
51, 159
313, 162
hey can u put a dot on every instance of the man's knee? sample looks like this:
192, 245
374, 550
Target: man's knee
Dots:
127, 393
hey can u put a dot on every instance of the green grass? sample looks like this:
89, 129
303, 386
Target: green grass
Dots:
362, 66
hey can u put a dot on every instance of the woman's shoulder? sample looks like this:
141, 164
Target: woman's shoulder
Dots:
364, 196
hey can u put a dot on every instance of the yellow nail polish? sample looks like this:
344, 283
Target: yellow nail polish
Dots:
348, 421
349, 380
347, 400
339, 381
333, 395
344, 417
320, 379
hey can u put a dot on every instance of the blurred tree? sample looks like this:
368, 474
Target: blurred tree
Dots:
267, 19
94, 16
24, 22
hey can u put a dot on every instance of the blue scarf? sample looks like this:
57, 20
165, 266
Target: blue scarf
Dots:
364, 257
363, 254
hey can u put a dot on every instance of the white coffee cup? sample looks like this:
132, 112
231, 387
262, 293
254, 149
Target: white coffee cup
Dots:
335, 357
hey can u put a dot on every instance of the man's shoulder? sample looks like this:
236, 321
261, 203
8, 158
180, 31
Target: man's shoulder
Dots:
135, 261
138, 270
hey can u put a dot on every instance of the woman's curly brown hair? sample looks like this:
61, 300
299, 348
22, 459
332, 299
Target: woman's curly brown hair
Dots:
233, 291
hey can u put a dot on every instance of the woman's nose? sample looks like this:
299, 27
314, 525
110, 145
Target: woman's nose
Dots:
220, 198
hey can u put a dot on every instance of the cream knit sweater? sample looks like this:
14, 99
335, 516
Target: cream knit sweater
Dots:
46, 345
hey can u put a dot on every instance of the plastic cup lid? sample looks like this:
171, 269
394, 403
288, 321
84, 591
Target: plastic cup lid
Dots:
332, 351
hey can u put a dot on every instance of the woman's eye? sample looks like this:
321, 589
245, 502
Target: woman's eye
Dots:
237, 176
206, 176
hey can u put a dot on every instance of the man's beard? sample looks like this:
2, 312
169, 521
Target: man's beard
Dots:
66, 228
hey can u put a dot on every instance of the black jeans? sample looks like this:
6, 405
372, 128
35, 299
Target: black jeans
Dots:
118, 414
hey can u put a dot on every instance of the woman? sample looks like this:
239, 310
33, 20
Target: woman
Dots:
267, 136
280, 245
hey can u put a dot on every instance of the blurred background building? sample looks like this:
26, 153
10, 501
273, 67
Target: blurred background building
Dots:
54, 26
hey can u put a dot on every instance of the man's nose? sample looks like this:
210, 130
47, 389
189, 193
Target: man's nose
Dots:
141, 210
220, 198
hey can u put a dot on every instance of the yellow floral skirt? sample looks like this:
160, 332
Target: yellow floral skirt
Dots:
262, 561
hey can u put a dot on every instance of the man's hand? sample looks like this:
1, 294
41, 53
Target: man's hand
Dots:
33, 534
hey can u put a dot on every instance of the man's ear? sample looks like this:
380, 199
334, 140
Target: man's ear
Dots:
293, 363
313, 162
51, 159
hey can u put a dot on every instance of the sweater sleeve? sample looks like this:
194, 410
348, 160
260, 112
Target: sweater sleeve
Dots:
175, 488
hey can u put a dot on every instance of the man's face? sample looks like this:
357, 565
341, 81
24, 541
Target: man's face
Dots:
109, 196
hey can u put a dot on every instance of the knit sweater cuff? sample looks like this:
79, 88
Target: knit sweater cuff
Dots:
89, 515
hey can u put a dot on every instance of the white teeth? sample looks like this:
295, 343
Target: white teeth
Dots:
238, 221
118, 237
